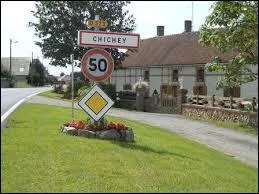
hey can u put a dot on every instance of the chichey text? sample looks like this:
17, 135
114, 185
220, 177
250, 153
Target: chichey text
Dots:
100, 39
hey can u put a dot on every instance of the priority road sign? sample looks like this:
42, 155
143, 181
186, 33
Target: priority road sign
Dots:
97, 65
88, 38
96, 103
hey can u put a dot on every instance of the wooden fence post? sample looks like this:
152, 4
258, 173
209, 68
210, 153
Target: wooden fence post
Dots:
213, 100
231, 102
197, 99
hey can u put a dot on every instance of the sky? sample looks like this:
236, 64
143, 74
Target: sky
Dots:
15, 16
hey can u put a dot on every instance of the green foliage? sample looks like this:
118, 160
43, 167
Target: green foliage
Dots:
77, 84
82, 91
37, 73
5, 74
58, 23
109, 89
233, 27
127, 87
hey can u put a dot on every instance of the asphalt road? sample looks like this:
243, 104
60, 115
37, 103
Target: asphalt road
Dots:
10, 96
240, 146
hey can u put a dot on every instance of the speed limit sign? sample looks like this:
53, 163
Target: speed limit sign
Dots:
97, 65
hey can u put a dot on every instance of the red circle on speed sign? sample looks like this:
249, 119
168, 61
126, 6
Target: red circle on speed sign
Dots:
97, 65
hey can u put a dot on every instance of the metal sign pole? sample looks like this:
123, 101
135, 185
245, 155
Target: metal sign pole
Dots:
72, 88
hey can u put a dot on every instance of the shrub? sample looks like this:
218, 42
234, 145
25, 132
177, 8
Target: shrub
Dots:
77, 84
109, 89
82, 91
127, 87
58, 88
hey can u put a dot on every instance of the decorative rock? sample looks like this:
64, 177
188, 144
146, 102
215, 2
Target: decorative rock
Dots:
86, 133
71, 131
109, 134
122, 134
129, 135
65, 129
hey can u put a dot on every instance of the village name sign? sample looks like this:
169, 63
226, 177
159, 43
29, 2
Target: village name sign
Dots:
97, 64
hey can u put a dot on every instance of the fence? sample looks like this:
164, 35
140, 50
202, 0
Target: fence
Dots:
223, 102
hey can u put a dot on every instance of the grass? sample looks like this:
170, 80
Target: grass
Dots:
22, 84
52, 94
243, 128
37, 157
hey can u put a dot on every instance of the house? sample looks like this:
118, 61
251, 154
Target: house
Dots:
65, 79
177, 60
20, 66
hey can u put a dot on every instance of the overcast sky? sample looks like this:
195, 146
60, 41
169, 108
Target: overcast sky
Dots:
15, 16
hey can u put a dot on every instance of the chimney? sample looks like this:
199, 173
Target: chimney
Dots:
160, 30
187, 26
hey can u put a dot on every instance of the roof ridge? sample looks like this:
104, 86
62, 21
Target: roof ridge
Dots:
169, 35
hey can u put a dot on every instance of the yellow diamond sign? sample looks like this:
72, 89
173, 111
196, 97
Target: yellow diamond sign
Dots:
96, 103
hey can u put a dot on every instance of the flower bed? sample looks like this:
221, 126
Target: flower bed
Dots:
113, 131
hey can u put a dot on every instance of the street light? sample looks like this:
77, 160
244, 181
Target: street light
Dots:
11, 54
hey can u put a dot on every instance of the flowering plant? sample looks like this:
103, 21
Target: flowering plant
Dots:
93, 127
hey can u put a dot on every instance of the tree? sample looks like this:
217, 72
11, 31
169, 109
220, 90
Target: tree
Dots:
37, 73
233, 27
61, 74
59, 22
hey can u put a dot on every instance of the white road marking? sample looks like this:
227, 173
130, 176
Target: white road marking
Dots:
7, 113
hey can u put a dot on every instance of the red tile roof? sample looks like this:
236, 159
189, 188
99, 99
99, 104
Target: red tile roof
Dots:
174, 49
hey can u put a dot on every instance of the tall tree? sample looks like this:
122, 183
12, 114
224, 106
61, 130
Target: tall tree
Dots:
233, 27
37, 73
59, 21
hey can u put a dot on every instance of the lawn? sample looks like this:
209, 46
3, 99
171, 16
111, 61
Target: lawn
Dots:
52, 94
37, 157
22, 84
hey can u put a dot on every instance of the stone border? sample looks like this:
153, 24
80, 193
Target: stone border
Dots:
110, 134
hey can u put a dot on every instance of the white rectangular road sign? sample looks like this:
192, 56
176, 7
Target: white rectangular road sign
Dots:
107, 39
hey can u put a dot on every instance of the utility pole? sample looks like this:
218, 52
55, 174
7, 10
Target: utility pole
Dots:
72, 63
10, 56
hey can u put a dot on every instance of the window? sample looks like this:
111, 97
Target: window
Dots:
234, 92
200, 74
146, 75
22, 69
175, 75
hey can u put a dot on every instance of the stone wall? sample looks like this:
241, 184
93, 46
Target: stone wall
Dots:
221, 114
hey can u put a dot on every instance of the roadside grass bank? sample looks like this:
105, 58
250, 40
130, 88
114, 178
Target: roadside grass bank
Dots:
37, 157
52, 94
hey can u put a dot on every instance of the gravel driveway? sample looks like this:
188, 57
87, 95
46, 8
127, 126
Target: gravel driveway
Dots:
241, 146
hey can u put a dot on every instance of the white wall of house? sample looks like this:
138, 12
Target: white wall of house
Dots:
249, 90
186, 73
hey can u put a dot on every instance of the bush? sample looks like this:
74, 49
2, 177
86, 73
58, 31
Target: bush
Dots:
109, 89
77, 85
82, 91
58, 88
